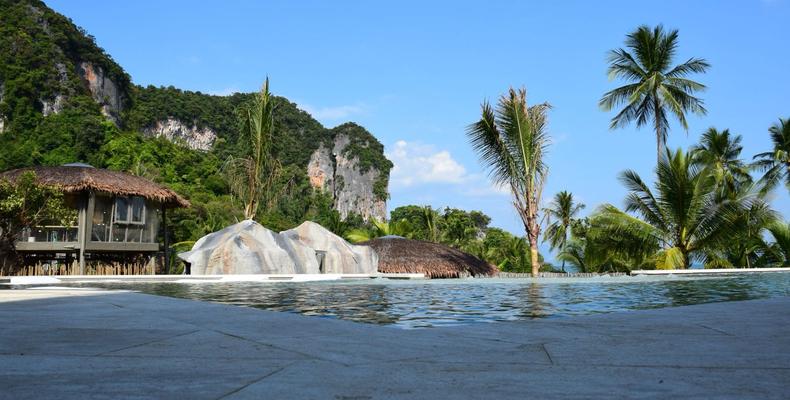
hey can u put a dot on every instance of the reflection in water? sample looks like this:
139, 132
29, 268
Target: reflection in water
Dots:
416, 304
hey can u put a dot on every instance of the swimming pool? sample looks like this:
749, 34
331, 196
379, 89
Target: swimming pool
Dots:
436, 303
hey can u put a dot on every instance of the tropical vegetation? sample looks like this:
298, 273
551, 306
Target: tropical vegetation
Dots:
707, 206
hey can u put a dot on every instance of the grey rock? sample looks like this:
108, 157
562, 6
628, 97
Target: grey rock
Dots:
352, 190
340, 256
54, 106
176, 131
249, 248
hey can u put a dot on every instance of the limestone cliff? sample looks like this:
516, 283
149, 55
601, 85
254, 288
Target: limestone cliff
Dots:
103, 90
176, 131
341, 168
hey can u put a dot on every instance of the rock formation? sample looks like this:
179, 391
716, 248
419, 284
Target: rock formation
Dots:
339, 256
103, 89
338, 172
249, 248
176, 131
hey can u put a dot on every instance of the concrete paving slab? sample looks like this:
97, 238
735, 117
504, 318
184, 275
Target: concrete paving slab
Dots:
70, 345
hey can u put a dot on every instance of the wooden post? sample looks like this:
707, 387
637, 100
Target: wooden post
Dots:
82, 229
167, 241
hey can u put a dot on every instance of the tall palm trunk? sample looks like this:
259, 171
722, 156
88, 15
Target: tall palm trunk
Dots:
659, 129
533, 256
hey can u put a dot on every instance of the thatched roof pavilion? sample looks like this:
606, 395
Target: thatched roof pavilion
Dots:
399, 255
79, 178
118, 215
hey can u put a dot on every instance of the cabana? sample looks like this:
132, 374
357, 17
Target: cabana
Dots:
399, 255
118, 213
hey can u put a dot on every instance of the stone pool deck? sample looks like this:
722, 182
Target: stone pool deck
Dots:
78, 344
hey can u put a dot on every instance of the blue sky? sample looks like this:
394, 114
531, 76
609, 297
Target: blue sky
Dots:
414, 73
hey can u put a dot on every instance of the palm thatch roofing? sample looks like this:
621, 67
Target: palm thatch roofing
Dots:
78, 178
399, 255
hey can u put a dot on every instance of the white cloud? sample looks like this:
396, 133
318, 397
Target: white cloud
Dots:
332, 113
416, 163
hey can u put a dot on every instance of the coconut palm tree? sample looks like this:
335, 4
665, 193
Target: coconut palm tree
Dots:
747, 245
719, 153
656, 88
252, 178
678, 222
511, 142
780, 249
776, 163
559, 216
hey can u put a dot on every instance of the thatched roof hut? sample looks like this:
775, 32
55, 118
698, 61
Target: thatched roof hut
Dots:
399, 255
78, 178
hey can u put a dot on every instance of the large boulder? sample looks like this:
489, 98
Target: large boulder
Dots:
249, 248
340, 257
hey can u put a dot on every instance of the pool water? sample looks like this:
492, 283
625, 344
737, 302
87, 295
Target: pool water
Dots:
436, 303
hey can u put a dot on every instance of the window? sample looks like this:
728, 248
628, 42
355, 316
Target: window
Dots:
130, 210
138, 210
121, 209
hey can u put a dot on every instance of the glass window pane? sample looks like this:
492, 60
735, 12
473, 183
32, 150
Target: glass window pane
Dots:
138, 209
118, 233
151, 225
102, 211
134, 233
121, 209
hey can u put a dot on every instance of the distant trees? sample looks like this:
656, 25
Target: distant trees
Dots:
656, 88
511, 142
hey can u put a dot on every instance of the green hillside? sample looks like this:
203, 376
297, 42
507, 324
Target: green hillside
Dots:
63, 99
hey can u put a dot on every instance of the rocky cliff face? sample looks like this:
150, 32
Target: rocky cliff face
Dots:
176, 131
103, 90
338, 172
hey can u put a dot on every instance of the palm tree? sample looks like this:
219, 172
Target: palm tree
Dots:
511, 142
776, 163
656, 89
681, 221
747, 245
515, 256
559, 215
379, 229
252, 178
719, 153
780, 249
429, 219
